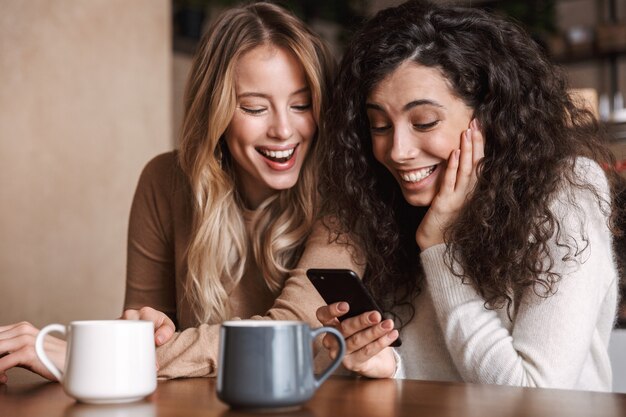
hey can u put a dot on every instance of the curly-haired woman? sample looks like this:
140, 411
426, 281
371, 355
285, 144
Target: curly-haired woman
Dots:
223, 227
473, 186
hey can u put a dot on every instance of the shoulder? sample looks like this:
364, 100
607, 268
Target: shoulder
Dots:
162, 183
163, 172
587, 188
161, 203
582, 205
591, 173
161, 166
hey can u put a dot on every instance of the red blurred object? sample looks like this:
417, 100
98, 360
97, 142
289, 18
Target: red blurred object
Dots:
620, 165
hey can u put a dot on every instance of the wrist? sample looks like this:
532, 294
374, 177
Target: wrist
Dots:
425, 243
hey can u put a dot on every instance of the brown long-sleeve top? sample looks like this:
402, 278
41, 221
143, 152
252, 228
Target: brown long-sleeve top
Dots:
158, 236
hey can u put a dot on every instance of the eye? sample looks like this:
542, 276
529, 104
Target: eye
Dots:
253, 111
425, 126
379, 129
379, 125
302, 107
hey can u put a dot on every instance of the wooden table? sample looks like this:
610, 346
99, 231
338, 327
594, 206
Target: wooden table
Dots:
338, 397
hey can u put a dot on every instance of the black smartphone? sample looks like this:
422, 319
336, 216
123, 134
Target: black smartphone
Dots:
335, 285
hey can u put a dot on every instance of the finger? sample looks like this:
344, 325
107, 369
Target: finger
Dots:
164, 332
25, 357
164, 327
359, 323
16, 343
22, 341
162, 320
327, 315
10, 326
18, 329
478, 143
330, 343
369, 335
4, 378
370, 350
18, 357
150, 314
449, 175
130, 314
465, 169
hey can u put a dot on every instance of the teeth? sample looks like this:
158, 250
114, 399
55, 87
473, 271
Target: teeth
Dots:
277, 154
418, 175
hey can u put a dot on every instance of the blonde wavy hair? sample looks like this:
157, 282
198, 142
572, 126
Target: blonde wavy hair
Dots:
219, 245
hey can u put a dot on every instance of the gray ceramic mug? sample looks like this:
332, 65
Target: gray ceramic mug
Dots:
267, 364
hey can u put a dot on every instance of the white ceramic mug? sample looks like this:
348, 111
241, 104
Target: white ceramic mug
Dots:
107, 361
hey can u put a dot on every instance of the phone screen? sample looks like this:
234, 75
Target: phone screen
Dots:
335, 285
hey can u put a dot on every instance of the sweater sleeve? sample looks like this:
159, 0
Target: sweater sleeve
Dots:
150, 269
550, 338
194, 351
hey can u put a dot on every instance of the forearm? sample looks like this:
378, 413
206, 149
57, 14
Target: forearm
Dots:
193, 352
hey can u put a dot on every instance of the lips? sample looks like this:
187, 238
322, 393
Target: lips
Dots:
279, 158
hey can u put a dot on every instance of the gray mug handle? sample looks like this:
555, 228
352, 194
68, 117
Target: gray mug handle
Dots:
337, 361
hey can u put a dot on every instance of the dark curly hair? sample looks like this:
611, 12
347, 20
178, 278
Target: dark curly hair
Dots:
533, 130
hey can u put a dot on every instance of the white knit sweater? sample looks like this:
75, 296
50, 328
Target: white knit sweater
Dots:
560, 341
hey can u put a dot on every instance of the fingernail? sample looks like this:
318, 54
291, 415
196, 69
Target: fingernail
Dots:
159, 339
457, 153
474, 124
3, 379
343, 306
468, 135
387, 325
392, 335
372, 317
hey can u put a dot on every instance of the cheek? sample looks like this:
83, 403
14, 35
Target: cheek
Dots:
307, 127
444, 145
243, 131
379, 149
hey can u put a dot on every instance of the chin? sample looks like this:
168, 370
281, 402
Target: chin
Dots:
283, 184
418, 200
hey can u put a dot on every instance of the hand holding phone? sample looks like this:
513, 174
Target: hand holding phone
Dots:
335, 285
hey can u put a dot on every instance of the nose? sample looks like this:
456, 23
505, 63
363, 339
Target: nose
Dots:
280, 126
403, 147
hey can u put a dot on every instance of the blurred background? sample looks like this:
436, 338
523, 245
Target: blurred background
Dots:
91, 90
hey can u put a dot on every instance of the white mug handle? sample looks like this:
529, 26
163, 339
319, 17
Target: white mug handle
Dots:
41, 353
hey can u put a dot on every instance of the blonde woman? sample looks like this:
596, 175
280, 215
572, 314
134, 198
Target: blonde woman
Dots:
228, 216
218, 229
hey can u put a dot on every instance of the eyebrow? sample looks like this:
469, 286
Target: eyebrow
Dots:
263, 95
408, 106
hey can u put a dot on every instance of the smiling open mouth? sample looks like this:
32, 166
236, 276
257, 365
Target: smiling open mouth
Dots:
417, 175
280, 156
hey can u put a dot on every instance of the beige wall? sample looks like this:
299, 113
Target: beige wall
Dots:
181, 66
85, 101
